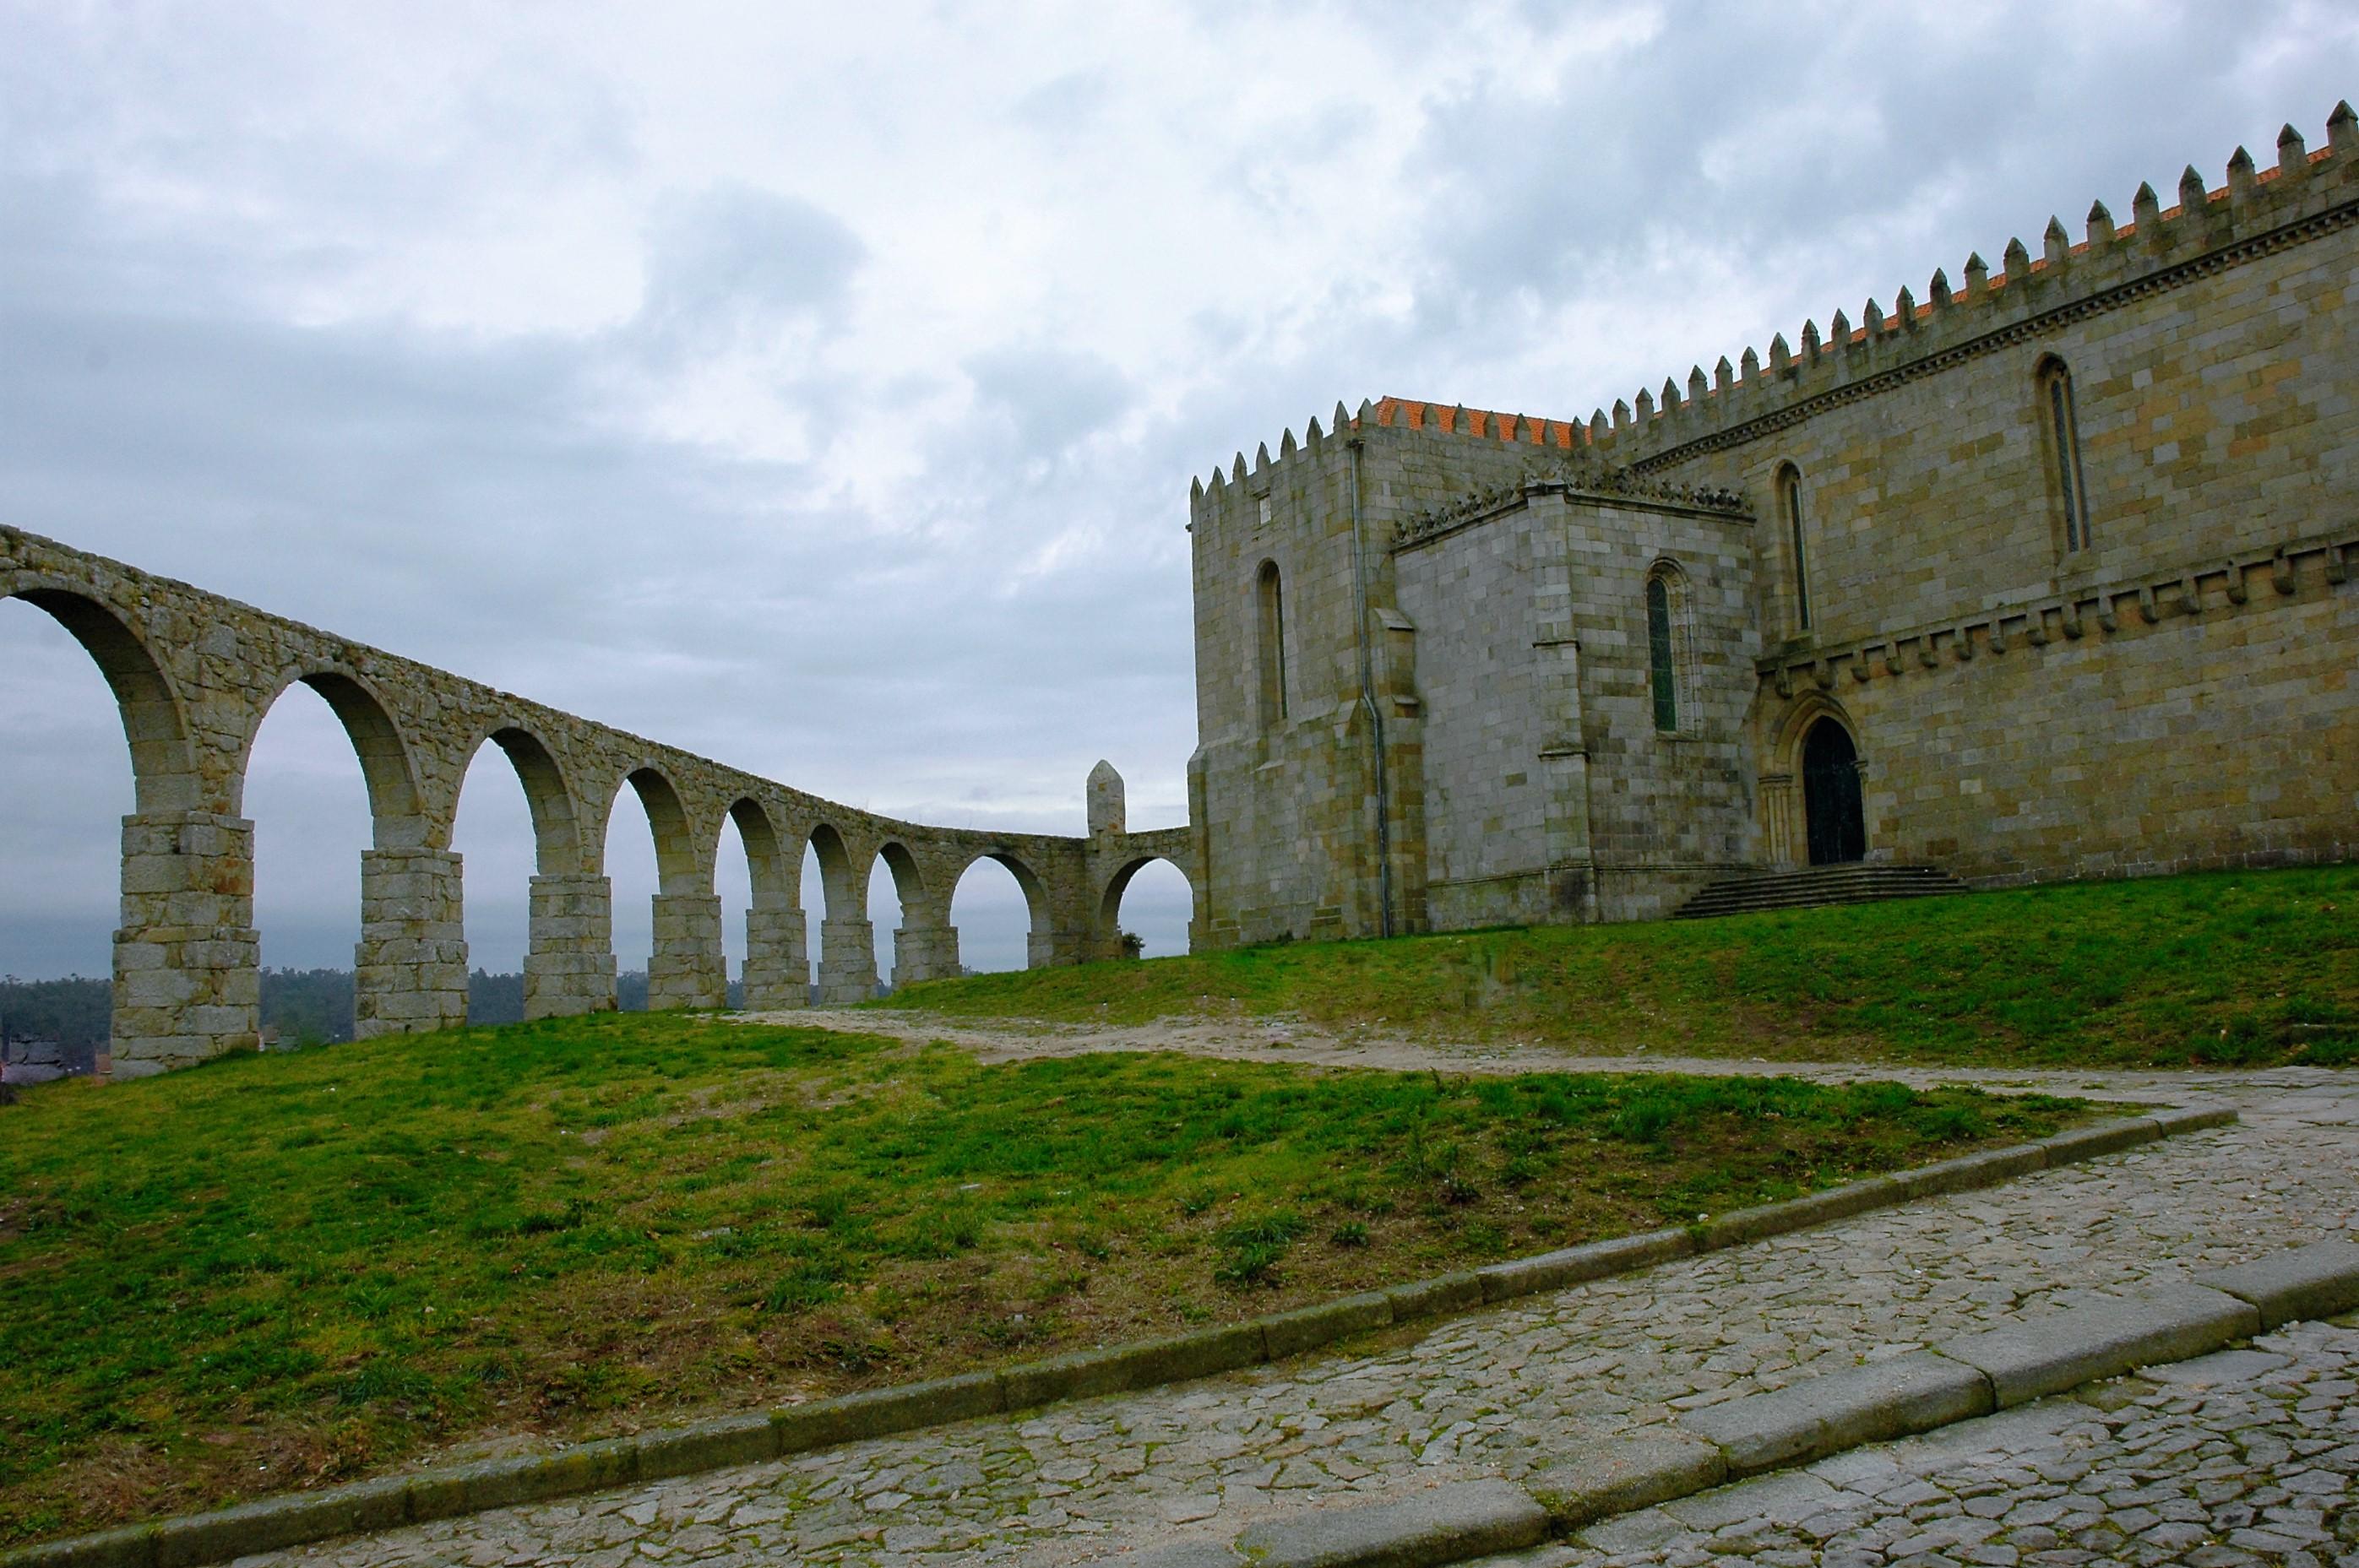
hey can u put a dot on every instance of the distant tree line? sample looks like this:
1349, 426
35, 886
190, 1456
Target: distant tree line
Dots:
306, 1007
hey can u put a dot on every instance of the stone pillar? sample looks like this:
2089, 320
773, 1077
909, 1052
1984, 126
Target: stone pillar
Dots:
1571, 857
925, 952
777, 966
847, 961
569, 967
689, 967
188, 982
1780, 807
1055, 949
1103, 793
409, 971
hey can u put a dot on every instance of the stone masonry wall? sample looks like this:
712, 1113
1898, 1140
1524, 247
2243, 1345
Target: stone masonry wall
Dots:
1550, 794
2176, 694
1287, 818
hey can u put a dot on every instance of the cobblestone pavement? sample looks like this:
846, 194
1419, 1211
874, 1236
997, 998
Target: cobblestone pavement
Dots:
1498, 1393
2244, 1456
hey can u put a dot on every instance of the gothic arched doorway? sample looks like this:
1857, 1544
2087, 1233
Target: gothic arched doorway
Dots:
1830, 799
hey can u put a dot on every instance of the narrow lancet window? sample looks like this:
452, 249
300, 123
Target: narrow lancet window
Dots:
2064, 440
1663, 667
1790, 501
1272, 648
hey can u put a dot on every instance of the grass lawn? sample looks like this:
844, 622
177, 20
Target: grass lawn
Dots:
275, 1271
2214, 969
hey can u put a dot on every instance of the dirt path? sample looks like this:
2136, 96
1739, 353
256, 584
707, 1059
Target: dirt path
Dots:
1287, 1040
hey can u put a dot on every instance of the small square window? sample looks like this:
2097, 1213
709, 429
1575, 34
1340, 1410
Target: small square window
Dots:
1265, 511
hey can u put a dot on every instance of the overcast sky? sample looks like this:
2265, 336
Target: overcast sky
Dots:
818, 387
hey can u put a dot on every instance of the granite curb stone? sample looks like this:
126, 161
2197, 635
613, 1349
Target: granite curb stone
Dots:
1437, 1297
1289, 1333
275, 1523
1796, 1214
2104, 1138
1969, 1171
881, 1411
2192, 1119
1629, 1473
2318, 1281
271, 1524
1577, 1265
2049, 1354
1117, 1369
1819, 1416
714, 1445
1448, 1524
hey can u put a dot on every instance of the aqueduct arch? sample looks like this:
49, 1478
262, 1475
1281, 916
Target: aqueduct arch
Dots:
778, 965
163, 770
685, 966
1107, 941
193, 675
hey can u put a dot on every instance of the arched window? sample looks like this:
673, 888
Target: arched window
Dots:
1664, 647
1271, 603
2064, 444
1790, 502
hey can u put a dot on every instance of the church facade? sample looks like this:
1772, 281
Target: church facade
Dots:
2043, 575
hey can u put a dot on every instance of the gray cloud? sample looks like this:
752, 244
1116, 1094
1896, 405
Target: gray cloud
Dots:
1049, 397
731, 262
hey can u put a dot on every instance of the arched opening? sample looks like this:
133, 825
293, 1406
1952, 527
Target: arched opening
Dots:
832, 894
556, 841
1790, 509
632, 881
1270, 610
63, 772
998, 908
895, 891
311, 822
2060, 422
163, 772
774, 968
1148, 898
669, 937
732, 884
1831, 794
499, 850
827, 876
1667, 648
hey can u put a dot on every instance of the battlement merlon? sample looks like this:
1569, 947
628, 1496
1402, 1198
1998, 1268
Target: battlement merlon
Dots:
2257, 211
1425, 457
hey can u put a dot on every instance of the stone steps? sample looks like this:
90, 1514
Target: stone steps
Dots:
1855, 882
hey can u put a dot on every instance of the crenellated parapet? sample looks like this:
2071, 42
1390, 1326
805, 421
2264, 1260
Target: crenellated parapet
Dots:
2306, 193
2112, 265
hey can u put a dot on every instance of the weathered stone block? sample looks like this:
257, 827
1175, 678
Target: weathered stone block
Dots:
2314, 1282
1632, 1470
1446, 1524
1822, 1415
2061, 1350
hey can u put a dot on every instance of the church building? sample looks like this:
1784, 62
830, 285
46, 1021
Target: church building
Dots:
2042, 574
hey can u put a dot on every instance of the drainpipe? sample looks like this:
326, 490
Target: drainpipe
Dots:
1358, 444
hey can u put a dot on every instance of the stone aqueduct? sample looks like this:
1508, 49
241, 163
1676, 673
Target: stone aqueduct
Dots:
194, 674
